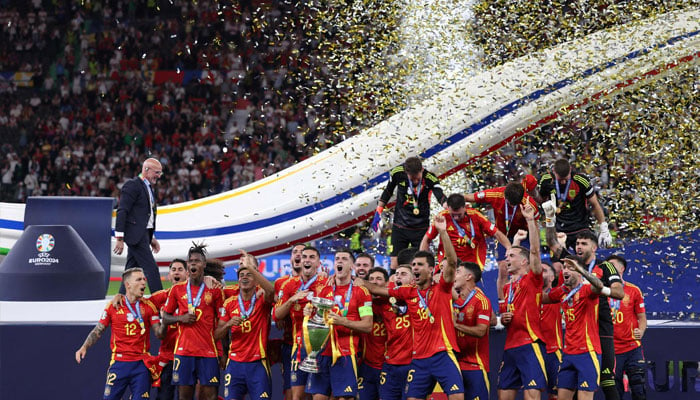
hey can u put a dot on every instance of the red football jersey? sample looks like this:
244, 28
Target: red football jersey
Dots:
581, 317
296, 312
196, 339
353, 306
398, 332
550, 324
127, 341
231, 290
508, 219
432, 336
475, 227
374, 343
474, 352
624, 313
523, 298
167, 345
249, 339
286, 323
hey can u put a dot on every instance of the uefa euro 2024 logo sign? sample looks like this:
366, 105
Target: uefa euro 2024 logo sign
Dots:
45, 243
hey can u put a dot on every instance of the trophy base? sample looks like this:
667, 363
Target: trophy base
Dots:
309, 365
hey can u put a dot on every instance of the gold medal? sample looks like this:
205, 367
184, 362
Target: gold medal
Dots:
392, 300
432, 319
416, 211
471, 243
143, 330
190, 309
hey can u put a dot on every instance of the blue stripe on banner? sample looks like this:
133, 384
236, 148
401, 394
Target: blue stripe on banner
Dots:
459, 136
10, 224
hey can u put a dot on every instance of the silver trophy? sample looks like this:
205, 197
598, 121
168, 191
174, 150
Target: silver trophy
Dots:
316, 332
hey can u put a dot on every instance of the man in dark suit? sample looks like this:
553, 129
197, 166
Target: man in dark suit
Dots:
136, 223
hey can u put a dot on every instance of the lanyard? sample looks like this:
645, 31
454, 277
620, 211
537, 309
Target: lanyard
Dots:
305, 286
591, 265
562, 196
348, 296
509, 217
511, 291
192, 304
137, 313
245, 313
572, 293
471, 294
461, 231
415, 193
424, 303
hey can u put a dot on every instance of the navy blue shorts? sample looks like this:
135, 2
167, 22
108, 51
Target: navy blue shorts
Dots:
392, 381
297, 377
337, 380
552, 361
286, 362
441, 368
476, 384
131, 374
252, 378
523, 367
580, 372
187, 370
368, 382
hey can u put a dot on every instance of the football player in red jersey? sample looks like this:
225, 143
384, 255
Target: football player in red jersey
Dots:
247, 317
195, 308
129, 340
580, 366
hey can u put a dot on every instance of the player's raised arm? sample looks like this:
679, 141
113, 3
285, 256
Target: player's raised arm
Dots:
534, 233
249, 261
448, 271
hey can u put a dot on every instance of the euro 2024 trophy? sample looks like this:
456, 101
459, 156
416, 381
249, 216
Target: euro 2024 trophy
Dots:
316, 332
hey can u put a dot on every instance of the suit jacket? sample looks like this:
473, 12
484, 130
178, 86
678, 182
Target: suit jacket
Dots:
133, 211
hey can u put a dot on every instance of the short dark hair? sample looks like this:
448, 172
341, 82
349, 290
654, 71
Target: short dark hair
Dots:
405, 256
514, 193
346, 250
427, 255
524, 251
366, 255
588, 234
380, 270
473, 268
295, 245
579, 260
562, 167
618, 258
126, 274
178, 260
555, 281
412, 165
215, 269
456, 201
198, 248
312, 248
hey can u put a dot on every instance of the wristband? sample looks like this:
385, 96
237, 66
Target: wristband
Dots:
380, 209
606, 291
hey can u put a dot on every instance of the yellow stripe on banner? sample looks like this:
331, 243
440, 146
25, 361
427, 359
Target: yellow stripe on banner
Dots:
207, 201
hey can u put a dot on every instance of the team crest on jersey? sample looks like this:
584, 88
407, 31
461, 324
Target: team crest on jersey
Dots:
130, 317
470, 311
572, 193
207, 298
626, 300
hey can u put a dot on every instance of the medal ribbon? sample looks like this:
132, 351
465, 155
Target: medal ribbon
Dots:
415, 191
305, 286
424, 301
591, 265
348, 295
511, 291
246, 312
509, 217
137, 313
460, 231
573, 292
471, 294
562, 196
192, 304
